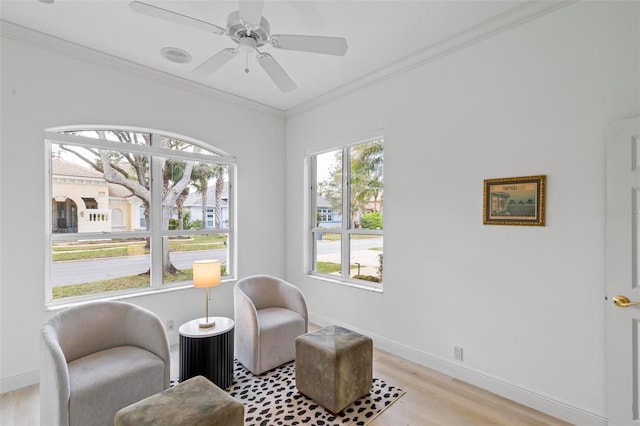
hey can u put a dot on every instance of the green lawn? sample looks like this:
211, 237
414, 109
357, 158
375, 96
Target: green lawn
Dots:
122, 283
102, 249
63, 251
328, 267
97, 250
116, 284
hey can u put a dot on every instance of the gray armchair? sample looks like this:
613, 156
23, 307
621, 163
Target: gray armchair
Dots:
98, 358
269, 314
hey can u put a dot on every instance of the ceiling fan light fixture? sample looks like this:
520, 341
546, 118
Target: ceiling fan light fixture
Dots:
248, 45
173, 54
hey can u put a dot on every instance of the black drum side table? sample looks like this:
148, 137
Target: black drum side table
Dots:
207, 351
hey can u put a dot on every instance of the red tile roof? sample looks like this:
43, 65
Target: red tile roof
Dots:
62, 167
67, 168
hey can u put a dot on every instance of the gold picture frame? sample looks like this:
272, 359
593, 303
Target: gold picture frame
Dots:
514, 201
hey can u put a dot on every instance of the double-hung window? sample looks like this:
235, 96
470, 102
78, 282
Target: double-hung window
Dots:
346, 213
129, 210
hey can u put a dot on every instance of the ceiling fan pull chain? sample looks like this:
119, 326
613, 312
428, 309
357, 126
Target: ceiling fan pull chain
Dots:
246, 58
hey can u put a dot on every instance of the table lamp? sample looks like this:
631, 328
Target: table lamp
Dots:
206, 273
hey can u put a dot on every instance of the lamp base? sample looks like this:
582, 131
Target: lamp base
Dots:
206, 322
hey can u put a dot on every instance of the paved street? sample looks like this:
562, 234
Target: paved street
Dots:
85, 271
326, 246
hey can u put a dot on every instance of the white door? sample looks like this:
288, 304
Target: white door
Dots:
623, 272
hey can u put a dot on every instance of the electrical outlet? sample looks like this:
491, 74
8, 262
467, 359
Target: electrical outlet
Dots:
170, 325
457, 353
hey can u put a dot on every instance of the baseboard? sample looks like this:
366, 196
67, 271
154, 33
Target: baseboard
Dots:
8, 384
559, 409
545, 404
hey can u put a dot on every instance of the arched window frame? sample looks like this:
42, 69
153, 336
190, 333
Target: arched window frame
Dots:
155, 233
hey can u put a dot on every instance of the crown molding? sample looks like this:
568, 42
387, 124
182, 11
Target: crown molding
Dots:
510, 19
23, 34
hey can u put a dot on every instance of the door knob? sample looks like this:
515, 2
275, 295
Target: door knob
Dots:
623, 301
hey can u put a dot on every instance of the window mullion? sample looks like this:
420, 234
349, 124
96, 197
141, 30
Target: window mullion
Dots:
313, 216
232, 269
345, 257
313, 193
157, 237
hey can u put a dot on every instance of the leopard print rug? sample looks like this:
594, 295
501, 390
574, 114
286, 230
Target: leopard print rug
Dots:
272, 399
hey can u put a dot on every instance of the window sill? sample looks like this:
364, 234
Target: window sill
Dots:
58, 305
376, 288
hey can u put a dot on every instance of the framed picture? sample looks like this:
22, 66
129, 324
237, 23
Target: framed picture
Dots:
514, 201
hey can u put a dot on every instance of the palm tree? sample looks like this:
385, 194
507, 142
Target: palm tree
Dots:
180, 206
173, 171
367, 173
202, 172
219, 173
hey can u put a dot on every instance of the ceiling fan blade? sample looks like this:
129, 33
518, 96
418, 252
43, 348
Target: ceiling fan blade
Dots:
328, 45
275, 71
167, 15
214, 62
251, 12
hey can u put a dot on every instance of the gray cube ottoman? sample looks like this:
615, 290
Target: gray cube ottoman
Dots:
196, 401
334, 366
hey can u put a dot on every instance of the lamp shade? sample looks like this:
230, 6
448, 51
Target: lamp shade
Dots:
206, 273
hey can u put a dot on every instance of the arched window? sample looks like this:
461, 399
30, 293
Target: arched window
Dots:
154, 178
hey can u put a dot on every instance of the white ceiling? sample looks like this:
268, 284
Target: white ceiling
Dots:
380, 35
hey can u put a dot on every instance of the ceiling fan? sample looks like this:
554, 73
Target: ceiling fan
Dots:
250, 31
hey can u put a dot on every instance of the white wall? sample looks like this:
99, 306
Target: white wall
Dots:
42, 88
532, 100
526, 303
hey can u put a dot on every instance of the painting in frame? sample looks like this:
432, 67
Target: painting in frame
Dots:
514, 201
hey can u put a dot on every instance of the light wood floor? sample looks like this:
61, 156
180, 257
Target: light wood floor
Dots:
431, 399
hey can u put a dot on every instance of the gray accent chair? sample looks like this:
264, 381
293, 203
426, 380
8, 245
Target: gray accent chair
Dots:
269, 314
97, 358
